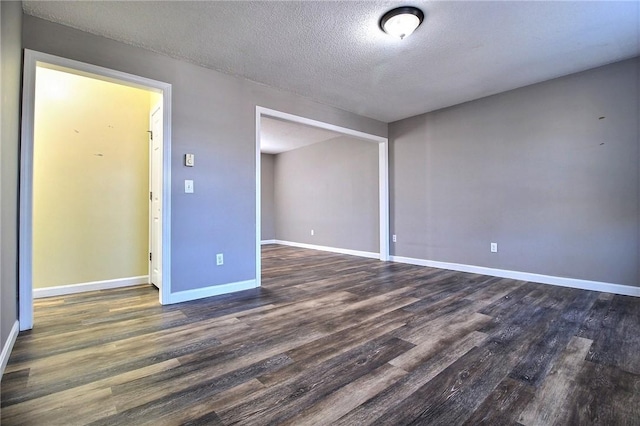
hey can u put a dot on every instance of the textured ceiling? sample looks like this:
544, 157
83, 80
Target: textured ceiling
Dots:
278, 136
335, 53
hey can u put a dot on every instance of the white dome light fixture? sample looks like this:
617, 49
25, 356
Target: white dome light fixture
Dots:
402, 21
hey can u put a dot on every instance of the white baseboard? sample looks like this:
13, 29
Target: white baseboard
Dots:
526, 276
89, 286
368, 254
8, 346
214, 290
263, 242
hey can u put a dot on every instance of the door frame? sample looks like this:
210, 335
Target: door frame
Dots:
383, 176
33, 59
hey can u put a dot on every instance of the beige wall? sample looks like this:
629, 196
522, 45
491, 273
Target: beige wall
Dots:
155, 99
90, 220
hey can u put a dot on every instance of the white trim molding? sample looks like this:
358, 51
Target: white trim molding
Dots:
8, 347
214, 290
368, 254
264, 242
525, 276
61, 290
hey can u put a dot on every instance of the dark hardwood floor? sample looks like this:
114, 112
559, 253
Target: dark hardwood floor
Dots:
332, 339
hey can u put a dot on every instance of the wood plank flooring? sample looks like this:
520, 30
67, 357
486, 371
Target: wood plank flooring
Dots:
332, 339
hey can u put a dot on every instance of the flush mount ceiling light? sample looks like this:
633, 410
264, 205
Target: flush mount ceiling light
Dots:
402, 21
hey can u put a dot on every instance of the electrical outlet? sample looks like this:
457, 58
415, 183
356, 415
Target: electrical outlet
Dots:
219, 259
394, 238
494, 247
312, 232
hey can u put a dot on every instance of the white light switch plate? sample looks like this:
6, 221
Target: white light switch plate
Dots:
188, 186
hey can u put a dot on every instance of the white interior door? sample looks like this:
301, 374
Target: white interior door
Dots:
155, 209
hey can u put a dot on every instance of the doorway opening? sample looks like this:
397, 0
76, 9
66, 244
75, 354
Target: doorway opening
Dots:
94, 181
264, 114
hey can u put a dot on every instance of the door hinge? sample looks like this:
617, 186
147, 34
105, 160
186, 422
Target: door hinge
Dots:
149, 257
150, 134
150, 195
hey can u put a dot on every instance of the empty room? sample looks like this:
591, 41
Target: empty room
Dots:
320, 212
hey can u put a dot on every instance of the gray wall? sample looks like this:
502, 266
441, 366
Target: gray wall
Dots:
534, 170
332, 188
213, 118
267, 202
11, 59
